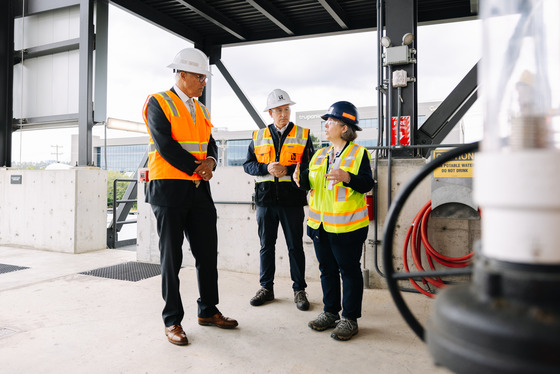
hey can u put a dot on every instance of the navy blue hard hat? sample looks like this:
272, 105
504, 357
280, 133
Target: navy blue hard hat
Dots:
344, 111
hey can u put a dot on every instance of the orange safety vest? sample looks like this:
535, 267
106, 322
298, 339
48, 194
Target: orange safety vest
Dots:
192, 137
290, 153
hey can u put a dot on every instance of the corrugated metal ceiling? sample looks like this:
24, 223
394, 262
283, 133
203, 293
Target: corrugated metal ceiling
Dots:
226, 22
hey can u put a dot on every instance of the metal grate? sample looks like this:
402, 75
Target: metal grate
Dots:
4, 268
129, 271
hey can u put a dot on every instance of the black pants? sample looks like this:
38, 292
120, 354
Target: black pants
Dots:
196, 220
339, 257
291, 219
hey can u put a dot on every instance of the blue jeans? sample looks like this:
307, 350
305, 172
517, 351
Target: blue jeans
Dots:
291, 219
339, 256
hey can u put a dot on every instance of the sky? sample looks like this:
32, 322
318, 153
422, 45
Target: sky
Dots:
315, 72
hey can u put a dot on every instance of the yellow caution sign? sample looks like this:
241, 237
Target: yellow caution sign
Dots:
459, 167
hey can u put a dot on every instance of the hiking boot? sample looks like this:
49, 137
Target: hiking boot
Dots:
345, 329
324, 321
263, 295
300, 298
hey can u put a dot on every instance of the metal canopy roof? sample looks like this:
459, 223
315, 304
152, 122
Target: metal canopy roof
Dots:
227, 22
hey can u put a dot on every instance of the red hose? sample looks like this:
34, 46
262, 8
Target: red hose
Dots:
417, 235
405, 261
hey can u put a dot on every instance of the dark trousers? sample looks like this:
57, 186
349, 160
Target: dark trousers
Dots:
291, 219
339, 256
197, 221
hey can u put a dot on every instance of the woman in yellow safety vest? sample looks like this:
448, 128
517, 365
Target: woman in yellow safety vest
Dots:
338, 177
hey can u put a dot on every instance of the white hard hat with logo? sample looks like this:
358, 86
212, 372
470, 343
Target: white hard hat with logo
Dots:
277, 98
192, 60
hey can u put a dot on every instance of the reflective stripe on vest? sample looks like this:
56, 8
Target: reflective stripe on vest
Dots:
270, 178
339, 220
339, 209
192, 137
170, 103
290, 153
319, 156
191, 147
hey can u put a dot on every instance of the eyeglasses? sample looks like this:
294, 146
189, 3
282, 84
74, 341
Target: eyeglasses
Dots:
281, 110
201, 78
332, 121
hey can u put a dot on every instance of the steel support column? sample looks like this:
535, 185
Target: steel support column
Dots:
401, 17
214, 53
6, 80
85, 115
101, 52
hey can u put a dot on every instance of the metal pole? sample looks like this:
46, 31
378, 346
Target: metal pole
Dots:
6, 81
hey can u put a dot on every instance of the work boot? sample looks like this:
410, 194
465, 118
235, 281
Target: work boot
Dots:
263, 295
324, 321
300, 298
345, 329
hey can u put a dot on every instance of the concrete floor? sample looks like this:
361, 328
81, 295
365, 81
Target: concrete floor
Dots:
54, 320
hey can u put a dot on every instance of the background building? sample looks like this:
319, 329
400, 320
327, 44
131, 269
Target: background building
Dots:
125, 154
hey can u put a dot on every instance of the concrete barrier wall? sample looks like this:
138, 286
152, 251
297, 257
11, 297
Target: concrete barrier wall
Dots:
238, 241
55, 210
237, 228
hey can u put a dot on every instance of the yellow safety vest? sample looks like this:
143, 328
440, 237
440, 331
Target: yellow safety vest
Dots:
192, 138
339, 209
290, 154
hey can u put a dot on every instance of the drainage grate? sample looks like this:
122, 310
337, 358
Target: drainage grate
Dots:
129, 271
4, 268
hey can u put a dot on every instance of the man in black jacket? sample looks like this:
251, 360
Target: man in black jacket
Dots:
182, 159
272, 157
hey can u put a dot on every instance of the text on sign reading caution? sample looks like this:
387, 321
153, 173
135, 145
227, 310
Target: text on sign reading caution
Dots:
459, 167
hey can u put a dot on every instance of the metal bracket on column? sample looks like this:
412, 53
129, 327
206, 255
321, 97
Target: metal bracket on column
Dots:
449, 113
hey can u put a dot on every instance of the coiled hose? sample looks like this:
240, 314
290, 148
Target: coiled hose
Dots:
391, 224
417, 235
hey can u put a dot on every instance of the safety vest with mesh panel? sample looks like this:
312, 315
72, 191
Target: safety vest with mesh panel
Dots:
192, 138
290, 154
339, 209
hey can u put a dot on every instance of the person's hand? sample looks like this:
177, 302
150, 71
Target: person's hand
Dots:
277, 170
295, 176
204, 169
338, 175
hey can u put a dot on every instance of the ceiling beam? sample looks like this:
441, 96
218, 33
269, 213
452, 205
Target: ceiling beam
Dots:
336, 12
158, 19
273, 14
215, 17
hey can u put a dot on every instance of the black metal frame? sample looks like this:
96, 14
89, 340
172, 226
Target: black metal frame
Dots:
213, 25
117, 222
121, 208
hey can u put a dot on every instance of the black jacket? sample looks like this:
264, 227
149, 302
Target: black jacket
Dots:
277, 193
172, 192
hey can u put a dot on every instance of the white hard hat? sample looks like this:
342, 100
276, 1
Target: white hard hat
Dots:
277, 98
192, 60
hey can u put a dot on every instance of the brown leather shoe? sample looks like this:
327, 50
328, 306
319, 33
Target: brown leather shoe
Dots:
218, 320
176, 335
